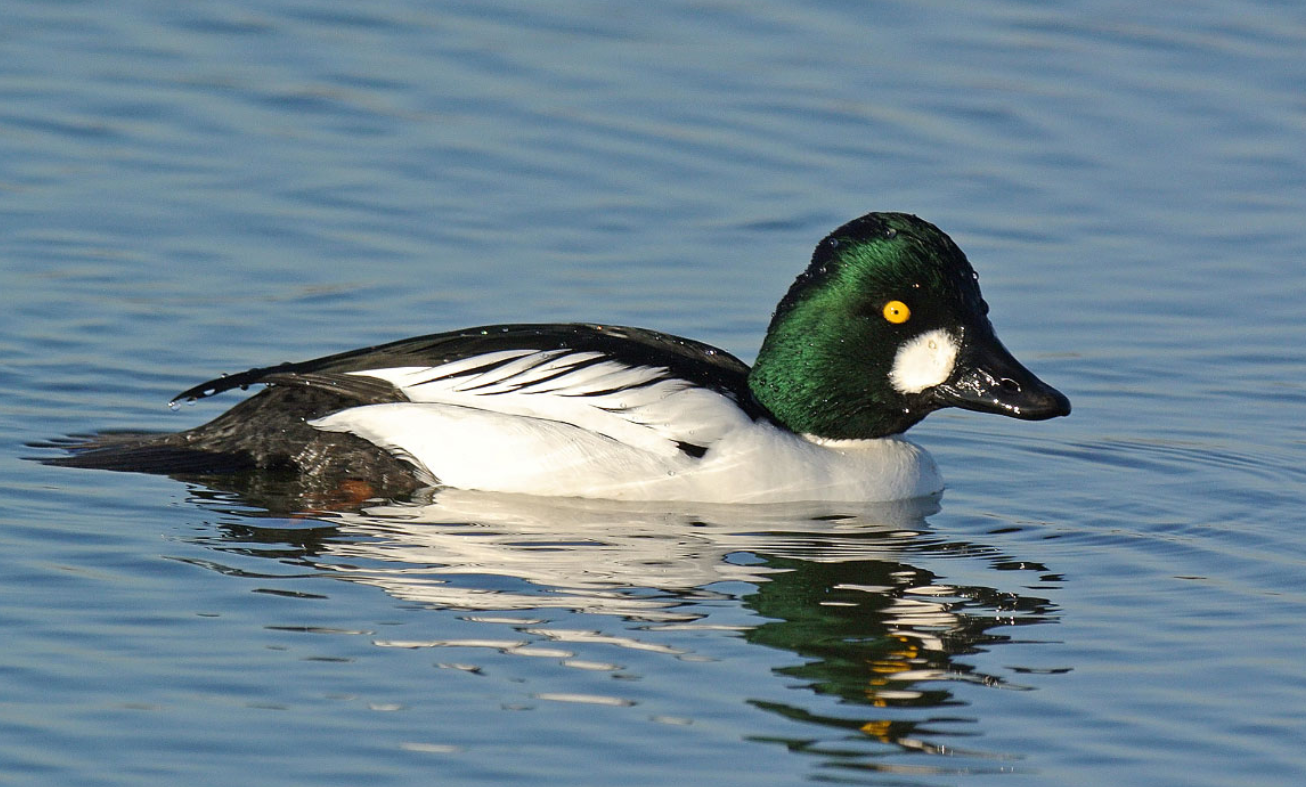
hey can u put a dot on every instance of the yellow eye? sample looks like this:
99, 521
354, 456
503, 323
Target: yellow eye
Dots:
896, 312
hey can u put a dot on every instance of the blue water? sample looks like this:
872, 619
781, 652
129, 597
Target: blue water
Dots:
1114, 598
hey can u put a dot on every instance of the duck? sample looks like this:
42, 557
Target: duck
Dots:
885, 326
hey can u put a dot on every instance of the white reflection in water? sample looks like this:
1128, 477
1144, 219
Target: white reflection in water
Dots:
847, 597
590, 554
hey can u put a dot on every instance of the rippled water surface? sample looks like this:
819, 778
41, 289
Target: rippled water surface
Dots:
1114, 598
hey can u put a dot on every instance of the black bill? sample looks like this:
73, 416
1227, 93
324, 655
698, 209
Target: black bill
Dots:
990, 380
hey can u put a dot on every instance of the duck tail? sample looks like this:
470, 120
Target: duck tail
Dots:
141, 452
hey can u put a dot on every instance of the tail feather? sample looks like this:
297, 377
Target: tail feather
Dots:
143, 453
264, 446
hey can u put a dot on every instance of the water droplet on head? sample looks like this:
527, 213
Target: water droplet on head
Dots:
890, 233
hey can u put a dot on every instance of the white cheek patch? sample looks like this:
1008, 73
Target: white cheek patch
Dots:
924, 361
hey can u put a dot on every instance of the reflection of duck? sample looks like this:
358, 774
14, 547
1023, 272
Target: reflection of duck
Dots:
832, 584
598, 556
885, 326
884, 637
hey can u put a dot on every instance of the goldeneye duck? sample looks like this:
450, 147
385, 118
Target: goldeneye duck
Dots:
885, 326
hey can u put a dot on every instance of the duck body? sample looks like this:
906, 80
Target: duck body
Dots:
617, 413
885, 326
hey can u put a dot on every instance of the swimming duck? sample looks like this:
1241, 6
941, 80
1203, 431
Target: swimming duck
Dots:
885, 326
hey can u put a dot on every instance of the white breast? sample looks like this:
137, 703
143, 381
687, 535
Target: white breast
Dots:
756, 463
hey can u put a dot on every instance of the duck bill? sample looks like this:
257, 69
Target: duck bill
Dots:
990, 380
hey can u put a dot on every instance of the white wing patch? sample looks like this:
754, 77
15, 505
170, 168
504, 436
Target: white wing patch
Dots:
644, 407
924, 361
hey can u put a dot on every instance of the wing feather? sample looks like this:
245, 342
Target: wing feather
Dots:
655, 392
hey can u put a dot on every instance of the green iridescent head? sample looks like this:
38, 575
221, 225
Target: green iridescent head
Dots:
885, 326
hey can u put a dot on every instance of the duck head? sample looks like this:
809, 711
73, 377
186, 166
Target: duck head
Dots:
884, 327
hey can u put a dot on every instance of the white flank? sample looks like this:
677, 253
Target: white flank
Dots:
924, 362
565, 423
753, 463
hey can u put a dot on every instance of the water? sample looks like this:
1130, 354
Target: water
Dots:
1112, 598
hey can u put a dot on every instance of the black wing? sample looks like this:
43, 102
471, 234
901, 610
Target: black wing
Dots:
695, 362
